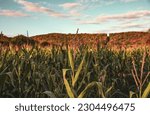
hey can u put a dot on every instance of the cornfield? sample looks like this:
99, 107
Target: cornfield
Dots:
64, 72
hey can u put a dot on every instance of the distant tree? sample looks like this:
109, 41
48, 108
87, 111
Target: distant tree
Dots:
21, 40
1, 35
27, 33
77, 31
44, 44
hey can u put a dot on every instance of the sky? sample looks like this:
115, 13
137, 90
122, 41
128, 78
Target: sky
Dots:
65, 16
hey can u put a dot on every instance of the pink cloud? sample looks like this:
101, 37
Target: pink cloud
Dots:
70, 5
35, 7
133, 25
12, 13
74, 13
118, 17
128, 0
126, 27
72, 8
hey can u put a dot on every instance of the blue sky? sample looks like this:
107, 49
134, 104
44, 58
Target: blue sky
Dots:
65, 16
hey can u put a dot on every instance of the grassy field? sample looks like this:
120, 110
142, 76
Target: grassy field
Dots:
62, 72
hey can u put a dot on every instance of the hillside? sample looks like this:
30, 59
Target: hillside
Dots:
126, 39
130, 39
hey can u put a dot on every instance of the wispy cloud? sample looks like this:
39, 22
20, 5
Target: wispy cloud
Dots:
128, 26
74, 13
86, 1
35, 7
118, 17
70, 5
128, 0
105, 1
12, 13
100, 3
72, 8
132, 25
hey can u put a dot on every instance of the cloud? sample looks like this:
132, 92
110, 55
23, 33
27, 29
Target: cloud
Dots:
35, 7
70, 5
12, 13
87, 1
118, 17
132, 25
74, 13
128, 0
100, 3
127, 26
73, 8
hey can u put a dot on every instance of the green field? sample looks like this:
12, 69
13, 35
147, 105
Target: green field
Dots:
62, 72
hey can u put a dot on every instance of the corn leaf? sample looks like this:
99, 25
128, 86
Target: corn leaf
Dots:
50, 94
71, 60
87, 88
131, 94
100, 89
78, 72
146, 91
68, 88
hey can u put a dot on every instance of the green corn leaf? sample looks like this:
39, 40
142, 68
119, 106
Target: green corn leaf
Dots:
87, 88
100, 89
3, 77
50, 94
68, 88
78, 72
71, 60
10, 74
3, 71
109, 89
27, 91
131, 94
146, 91
2, 80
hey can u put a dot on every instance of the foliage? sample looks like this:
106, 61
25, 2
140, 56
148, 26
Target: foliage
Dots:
63, 72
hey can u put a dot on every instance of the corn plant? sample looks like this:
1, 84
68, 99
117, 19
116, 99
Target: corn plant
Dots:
140, 80
84, 71
74, 78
